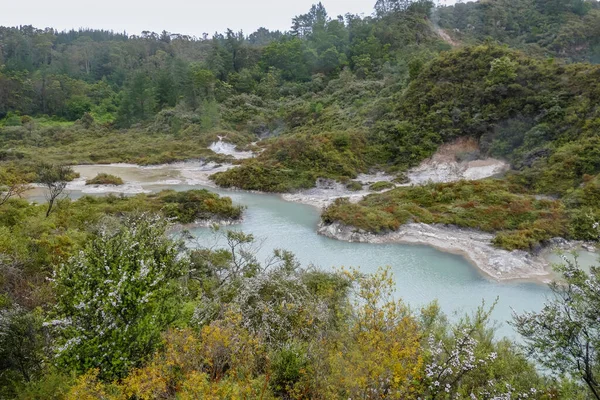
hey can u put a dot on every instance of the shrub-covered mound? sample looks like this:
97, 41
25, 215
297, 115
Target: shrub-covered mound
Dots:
520, 220
104, 179
194, 205
295, 162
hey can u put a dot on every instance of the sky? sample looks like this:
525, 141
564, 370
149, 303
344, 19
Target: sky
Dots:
190, 17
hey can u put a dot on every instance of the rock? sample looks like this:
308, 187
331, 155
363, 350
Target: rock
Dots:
590, 247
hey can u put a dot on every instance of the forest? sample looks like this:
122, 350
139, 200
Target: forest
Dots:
105, 297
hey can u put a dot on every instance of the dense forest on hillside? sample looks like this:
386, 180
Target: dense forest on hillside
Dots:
103, 298
567, 29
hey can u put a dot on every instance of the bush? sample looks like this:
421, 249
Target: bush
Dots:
354, 186
296, 161
105, 179
116, 297
194, 205
379, 186
287, 365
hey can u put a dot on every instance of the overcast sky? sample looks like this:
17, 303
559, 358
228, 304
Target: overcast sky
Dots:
191, 17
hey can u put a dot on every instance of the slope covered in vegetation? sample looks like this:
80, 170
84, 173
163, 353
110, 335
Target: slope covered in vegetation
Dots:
98, 301
539, 114
559, 28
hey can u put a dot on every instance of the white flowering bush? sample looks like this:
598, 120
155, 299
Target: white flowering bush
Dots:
276, 302
116, 296
277, 299
464, 361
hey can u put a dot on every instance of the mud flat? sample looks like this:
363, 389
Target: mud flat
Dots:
140, 179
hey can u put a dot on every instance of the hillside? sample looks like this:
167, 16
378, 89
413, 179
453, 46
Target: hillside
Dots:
118, 297
566, 29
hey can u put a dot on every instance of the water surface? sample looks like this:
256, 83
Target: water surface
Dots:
423, 274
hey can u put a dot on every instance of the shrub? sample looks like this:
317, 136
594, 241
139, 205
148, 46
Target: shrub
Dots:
194, 205
105, 179
287, 365
354, 186
521, 220
116, 296
379, 186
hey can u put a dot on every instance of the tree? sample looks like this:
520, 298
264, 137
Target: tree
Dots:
21, 345
165, 89
116, 296
54, 178
203, 82
384, 7
502, 71
137, 100
11, 185
291, 57
303, 25
381, 356
565, 335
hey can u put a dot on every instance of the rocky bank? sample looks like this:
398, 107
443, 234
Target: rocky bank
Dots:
475, 246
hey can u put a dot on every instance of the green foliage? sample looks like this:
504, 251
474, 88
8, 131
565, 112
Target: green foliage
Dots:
22, 345
295, 162
470, 342
354, 186
331, 99
54, 179
563, 336
565, 29
196, 205
75, 145
273, 330
105, 179
502, 71
269, 178
566, 169
287, 365
379, 186
32, 243
53, 385
116, 296
520, 220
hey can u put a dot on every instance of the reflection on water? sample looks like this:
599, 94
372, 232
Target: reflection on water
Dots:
422, 274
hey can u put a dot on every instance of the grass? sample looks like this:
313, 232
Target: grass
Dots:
46, 122
74, 145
